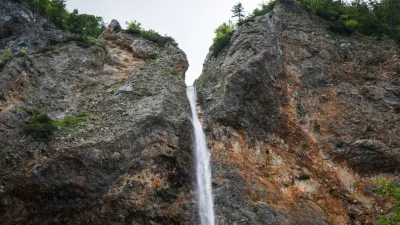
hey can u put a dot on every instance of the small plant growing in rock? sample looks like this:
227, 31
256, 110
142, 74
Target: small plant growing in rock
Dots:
6, 55
70, 121
152, 36
172, 71
86, 41
115, 88
29, 111
39, 125
21, 53
392, 193
42, 127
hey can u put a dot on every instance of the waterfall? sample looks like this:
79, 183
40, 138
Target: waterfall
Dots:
202, 162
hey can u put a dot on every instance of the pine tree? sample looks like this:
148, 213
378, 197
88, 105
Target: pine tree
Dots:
238, 11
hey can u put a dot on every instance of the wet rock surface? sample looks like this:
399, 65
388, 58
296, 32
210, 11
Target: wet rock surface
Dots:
300, 120
127, 162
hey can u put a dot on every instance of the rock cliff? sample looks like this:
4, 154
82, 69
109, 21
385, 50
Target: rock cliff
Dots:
22, 29
127, 160
300, 122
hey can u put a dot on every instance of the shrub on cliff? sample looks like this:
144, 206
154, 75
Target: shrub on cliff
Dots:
392, 192
263, 8
39, 125
153, 36
86, 41
6, 55
56, 12
223, 36
85, 24
42, 127
136, 28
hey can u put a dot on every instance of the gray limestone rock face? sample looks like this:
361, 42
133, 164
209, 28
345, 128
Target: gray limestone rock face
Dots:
286, 96
144, 49
128, 160
22, 29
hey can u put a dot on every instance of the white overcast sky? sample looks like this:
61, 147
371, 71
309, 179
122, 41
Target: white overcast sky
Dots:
190, 22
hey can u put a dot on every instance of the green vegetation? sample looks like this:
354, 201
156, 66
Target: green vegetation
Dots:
70, 121
49, 48
42, 127
172, 71
263, 9
225, 31
85, 24
29, 111
6, 55
145, 65
223, 36
21, 53
87, 27
392, 192
115, 88
86, 41
377, 19
136, 28
238, 11
56, 12
39, 125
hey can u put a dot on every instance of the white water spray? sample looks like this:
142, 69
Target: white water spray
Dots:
203, 169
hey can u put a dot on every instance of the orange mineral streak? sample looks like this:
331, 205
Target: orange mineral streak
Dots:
125, 62
14, 101
271, 167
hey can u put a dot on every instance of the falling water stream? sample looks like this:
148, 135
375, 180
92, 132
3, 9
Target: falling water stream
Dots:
202, 163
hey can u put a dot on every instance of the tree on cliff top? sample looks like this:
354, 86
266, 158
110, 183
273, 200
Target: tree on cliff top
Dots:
238, 11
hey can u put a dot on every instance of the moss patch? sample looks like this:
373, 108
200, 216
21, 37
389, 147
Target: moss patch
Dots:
41, 127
